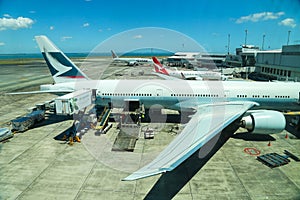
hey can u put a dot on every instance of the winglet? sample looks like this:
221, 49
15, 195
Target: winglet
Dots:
136, 176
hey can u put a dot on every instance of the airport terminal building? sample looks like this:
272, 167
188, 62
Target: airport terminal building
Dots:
283, 65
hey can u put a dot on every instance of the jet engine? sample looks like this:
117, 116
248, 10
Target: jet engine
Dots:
132, 63
263, 121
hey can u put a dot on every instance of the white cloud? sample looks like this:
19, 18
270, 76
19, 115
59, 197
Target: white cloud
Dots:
15, 24
137, 37
288, 22
7, 16
86, 25
263, 16
64, 38
51, 28
2, 43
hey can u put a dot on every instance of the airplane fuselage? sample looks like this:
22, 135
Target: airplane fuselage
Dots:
171, 94
133, 61
202, 74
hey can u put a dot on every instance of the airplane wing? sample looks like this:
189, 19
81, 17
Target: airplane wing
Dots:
207, 122
42, 91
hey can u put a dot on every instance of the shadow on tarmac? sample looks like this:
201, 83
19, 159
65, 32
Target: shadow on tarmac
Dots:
253, 137
293, 129
52, 119
170, 183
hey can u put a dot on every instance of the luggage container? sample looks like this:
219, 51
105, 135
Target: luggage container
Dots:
24, 123
5, 134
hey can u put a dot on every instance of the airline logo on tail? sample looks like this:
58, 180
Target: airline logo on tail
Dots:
60, 66
159, 68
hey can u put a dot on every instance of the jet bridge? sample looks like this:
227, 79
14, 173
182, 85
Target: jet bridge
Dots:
73, 102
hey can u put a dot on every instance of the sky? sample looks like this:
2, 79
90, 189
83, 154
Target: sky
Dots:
82, 25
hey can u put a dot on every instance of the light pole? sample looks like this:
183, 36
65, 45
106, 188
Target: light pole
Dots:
263, 42
228, 44
246, 33
288, 39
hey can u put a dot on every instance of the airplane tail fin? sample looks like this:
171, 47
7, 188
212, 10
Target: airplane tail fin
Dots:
159, 68
182, 76
156, 61
114, 55
61, 67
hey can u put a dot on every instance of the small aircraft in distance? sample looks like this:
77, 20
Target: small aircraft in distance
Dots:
130, 61
187, 75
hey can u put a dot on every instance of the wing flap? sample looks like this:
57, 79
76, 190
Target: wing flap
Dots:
207, 122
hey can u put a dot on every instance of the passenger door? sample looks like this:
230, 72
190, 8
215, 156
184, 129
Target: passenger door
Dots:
159, 92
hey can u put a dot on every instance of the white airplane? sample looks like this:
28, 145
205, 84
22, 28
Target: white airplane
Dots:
130, 61
217, 105
187, 75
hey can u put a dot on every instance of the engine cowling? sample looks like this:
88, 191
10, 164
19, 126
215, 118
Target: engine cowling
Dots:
264, 121
132, 63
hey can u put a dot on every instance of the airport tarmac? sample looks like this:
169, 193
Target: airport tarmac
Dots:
35, 166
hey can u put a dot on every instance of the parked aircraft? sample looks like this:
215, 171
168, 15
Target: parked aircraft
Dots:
217, 105
130, 61
187, 75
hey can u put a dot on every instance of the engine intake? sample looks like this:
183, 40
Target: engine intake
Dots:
263, 121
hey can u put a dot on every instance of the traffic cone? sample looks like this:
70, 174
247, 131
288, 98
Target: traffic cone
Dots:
269, 144
286, 136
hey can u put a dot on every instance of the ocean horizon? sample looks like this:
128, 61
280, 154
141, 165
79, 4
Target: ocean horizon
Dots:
84, 55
